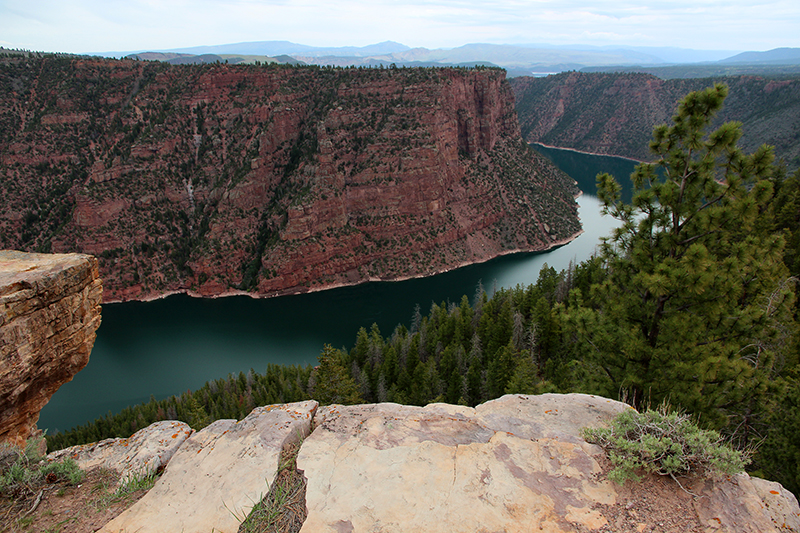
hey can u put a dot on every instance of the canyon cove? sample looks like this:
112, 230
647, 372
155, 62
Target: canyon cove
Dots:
164, 347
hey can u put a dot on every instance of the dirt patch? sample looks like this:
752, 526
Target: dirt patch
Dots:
656, 504
84, 508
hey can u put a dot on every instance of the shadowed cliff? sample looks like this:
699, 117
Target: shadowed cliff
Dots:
614, 113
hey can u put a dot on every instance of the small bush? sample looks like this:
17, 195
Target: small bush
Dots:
664, 443
64, 470
23, 471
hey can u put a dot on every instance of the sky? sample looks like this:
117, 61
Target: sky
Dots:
96, 26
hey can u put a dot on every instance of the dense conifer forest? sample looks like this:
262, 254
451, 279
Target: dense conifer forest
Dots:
690, 303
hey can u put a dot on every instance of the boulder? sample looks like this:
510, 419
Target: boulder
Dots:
780, 505
744, 504
49, 313
146, 452
218, 474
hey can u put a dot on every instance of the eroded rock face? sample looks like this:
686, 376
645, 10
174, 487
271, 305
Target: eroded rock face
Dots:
49, 312
219, 473
219, 179
614, 113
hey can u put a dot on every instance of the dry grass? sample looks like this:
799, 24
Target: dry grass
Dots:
283, 509
63, 507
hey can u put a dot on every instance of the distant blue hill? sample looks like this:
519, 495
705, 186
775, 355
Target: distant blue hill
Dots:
517, 59
777, 56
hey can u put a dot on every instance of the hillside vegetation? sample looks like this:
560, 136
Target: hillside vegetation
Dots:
614, 113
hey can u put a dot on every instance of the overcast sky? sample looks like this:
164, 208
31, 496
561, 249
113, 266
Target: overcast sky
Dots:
85, 26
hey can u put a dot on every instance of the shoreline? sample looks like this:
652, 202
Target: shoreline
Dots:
587, 153
288, 292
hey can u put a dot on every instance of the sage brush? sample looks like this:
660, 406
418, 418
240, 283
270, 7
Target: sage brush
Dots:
664, 443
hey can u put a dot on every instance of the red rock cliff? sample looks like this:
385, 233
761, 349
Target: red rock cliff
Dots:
614, 113
49, 312
273, 180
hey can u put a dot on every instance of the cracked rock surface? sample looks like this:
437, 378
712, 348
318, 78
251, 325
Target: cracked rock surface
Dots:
219, 473
513, 464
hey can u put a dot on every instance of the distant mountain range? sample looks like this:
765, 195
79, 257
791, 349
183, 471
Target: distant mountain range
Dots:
518, 60
778, 56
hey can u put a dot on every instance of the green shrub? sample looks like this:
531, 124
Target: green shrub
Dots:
64, 470
23, 470
663, 443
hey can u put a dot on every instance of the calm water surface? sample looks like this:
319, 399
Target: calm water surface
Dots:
168, 346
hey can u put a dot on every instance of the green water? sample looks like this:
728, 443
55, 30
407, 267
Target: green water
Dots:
167, 346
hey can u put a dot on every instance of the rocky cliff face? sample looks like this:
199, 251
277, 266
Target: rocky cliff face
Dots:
49, 312
614, 114
517, 463
274, 180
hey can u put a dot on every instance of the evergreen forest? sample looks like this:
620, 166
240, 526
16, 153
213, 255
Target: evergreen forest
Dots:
689, 303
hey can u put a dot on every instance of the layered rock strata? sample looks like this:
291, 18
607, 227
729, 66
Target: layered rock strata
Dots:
213, 179
49, 312
517, 463
614, 113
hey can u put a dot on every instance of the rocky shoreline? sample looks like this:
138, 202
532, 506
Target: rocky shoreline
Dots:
256, 295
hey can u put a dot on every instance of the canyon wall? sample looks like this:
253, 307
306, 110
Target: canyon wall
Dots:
217, 179
49, 313
614, 113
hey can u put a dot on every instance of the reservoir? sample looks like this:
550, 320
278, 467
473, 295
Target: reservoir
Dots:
168, 346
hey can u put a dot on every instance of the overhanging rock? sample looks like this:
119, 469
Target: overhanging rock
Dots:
49, 313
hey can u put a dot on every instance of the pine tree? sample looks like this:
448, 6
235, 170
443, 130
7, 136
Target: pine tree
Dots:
332, 382
696, 298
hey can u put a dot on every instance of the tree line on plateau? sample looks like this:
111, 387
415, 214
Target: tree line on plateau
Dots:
689, 303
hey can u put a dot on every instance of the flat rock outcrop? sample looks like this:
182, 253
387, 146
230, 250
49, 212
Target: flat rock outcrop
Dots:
219, 473
144, 453
514, 464
219, 179
49, 313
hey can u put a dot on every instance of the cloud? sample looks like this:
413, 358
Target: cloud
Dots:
94, 25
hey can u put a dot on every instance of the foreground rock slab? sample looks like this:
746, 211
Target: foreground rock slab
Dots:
218, 474
514, 464
49, 313
146, 452
498, 467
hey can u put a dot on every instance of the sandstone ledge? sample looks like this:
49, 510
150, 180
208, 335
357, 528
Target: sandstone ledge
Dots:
49, 313
513, 464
